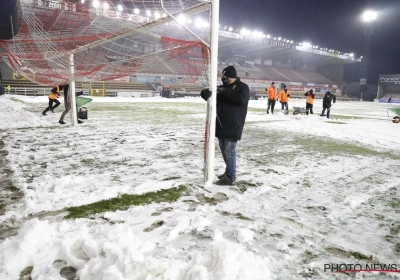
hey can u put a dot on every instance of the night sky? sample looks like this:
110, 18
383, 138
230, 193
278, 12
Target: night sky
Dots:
334, 24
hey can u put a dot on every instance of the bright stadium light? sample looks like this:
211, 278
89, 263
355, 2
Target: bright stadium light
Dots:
198, 22
136, 11
230, 29
96, 4
106, 6
181, 19
243, 31
352, 54
82, 1
148, 13
291, 42
268, 36
157, 15
275, 38
119, 7
306, 45
279, 38
369, 15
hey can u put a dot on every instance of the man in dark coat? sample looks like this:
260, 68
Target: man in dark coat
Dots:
327, 103
232, 102
66, 103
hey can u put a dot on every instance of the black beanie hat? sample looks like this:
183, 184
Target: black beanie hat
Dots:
230, 72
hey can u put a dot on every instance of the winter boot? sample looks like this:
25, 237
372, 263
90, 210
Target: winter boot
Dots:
225, 181
221, 176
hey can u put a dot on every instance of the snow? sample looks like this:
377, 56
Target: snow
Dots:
245, 235
302, 195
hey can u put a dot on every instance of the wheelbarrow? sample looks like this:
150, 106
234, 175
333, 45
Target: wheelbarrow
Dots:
299, 110
83, 110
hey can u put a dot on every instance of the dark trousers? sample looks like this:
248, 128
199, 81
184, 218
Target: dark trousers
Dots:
271, 103
284, 106
51, 101
327, 112
309, 108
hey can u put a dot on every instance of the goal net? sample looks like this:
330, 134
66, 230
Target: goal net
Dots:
110, 39
63, 41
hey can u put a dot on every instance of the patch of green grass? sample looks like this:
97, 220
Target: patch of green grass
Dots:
16, 100
337, 147
397, 248
340, 117
361, 256
240, 216
125, 201
308, 257
395, 229
395, 203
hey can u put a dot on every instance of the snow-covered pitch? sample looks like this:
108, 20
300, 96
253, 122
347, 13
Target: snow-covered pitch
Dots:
310, 192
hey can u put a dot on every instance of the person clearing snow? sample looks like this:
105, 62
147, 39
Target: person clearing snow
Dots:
327, 103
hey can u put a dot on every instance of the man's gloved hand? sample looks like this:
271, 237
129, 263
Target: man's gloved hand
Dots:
220, 90
206, 93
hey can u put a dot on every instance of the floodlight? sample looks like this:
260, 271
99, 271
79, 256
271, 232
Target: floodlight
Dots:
352, 54
82, 1
230, 29
279, 38
291, 42
181, 19
106, 6
136, 11
157, 15
369, 15
199, 22
243, 31
96, 4
268, 36
119, 7
275, 38
148, 13
306, 45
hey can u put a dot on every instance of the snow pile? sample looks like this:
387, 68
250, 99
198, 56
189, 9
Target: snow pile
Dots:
13, 115
245, 235
115, 252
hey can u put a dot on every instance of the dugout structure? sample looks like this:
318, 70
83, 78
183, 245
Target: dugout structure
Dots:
388, 87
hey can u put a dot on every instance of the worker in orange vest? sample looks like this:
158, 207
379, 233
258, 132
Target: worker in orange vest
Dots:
272, 97
284, 99
54, 94
310, 101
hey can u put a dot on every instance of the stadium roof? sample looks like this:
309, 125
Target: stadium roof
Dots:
233, 44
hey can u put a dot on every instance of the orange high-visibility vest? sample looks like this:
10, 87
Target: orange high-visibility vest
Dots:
53, 95
284, 96
310, 99
272, 93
